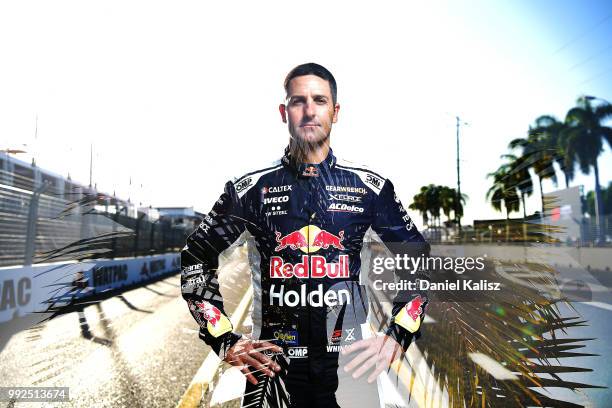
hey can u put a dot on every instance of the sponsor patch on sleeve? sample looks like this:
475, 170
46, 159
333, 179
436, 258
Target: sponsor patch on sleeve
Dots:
409, 317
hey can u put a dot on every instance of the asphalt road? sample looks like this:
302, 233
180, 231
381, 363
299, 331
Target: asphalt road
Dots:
139, 349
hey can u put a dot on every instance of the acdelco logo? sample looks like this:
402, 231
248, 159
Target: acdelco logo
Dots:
309, 239
341, 207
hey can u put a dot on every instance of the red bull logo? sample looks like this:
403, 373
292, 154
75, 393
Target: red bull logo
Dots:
414, 308
293, 240
309, 239
324, 240
409, 316
210, 312
315, 266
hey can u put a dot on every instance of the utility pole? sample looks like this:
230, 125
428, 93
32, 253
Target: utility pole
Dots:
458, 201
90, 164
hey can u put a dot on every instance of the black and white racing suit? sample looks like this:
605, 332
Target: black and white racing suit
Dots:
307, 223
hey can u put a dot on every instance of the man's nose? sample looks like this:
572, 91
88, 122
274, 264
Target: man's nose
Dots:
309, 108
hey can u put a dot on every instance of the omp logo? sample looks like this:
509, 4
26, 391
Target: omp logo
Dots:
243, 184
345, 197
297, 352
373, 180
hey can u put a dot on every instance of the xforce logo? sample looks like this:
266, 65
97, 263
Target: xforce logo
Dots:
243, 184
373, 180
341, 207
345, 197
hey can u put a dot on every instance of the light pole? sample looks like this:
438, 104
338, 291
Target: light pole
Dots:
458, 199
601, 236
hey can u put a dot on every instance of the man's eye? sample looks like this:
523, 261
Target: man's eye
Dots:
296, 102
321, 101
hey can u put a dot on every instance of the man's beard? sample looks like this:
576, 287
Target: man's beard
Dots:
300, 147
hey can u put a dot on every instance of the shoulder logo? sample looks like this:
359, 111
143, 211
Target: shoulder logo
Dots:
243, 184
373, 180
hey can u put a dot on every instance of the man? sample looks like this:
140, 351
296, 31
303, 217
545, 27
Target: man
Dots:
306, 216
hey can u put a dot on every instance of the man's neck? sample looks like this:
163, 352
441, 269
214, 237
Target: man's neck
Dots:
309, 153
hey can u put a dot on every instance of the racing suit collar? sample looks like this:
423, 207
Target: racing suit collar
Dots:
308, 170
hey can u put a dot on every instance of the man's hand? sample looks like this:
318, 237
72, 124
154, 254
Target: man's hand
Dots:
378, 352
247, 355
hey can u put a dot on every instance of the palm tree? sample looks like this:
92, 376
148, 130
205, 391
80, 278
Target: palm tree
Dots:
550, 129
538, 153
519, 177
583, 139
502, 191
419, 203
434, 204
448, 197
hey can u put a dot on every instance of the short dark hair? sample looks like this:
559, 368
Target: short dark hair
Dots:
312, 68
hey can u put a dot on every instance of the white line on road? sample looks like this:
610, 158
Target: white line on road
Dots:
600, 305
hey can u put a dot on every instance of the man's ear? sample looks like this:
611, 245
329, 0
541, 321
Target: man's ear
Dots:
283, 112
336, 109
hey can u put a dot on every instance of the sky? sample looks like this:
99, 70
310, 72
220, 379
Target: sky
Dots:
180, 97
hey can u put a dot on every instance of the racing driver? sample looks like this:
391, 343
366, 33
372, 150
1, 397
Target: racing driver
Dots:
305, 217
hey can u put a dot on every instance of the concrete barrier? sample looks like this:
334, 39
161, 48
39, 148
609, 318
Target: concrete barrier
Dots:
25, 290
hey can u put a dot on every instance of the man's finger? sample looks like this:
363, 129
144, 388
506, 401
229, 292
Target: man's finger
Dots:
266, 360
379, 369
250, 377
355, 346
365, 366
257, 365
361, 357
265, 345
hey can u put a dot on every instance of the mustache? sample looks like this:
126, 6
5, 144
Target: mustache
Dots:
309, 123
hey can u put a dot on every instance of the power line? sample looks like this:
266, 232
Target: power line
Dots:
582, 34
597, 54
595, 77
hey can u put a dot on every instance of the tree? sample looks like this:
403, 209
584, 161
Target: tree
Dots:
606, 199
549, 129
538, 152
419, 203
502, 192
583, 139
518, 177
448, 198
